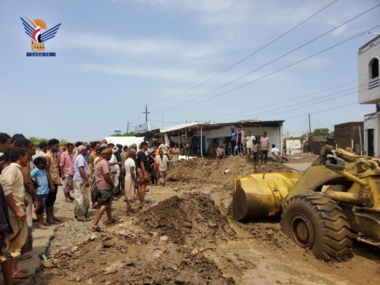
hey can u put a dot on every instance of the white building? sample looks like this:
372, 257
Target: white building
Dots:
368, 72
293, 146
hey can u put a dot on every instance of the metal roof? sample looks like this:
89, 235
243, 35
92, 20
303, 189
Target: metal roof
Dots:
177, 127
211, 126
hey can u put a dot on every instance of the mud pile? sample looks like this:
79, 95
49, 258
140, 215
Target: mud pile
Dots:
188, 220
220, 172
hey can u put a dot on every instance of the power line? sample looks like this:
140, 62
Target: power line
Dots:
173, 108
319, 98
308, 101
325, 110
248, 56
275, 112
323, 125
297, 98
281, 69
137, 118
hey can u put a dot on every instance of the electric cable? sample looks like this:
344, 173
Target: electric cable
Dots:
279, 70
276, 39
173, 108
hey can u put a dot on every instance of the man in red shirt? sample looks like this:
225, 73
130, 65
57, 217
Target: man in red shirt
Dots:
67, 170
264, 146
105, 186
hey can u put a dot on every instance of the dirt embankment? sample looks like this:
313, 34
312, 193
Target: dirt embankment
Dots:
220, 172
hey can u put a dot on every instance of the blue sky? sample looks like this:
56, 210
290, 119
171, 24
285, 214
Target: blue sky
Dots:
113, 57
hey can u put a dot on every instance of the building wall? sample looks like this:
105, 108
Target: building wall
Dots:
372, 124
370, 92
347, 135
293, 146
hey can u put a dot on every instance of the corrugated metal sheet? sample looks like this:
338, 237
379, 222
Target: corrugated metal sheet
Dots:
177, 127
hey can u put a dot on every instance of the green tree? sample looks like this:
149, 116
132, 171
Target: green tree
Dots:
37, 141
130, 134
322, 130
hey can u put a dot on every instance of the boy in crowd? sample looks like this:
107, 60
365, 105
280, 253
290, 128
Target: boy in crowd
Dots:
39, 175
255, 151
220, 152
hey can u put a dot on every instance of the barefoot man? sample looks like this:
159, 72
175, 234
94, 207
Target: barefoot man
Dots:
105, 186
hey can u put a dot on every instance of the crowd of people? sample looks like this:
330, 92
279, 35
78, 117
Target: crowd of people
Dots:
29, 181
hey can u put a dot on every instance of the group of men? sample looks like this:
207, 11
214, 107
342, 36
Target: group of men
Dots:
248, 145
29, 181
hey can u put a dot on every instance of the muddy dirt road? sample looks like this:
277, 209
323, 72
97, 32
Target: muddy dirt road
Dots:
187, 236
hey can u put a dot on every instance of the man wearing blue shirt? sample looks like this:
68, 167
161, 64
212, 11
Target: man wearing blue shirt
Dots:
81, 183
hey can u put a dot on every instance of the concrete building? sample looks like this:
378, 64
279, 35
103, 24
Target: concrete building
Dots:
293, 146
349, 135
368, 72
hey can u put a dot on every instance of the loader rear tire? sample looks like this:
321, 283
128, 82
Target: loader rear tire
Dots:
317, 223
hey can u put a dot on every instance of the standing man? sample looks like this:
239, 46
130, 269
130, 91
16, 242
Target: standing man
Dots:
240, 140
164, 147
143, 172
264, 146
81, 182
43, 148
67, 171
54, 179
250, 139
194, 144
5, 141
105, 185
130, 178
186, 145
233, 140
95, 147
31, 196
115, 170
13, 185
163, 167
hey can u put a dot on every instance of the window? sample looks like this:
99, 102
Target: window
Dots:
374, 68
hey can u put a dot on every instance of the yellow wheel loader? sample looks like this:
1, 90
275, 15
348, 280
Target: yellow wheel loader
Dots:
336, 200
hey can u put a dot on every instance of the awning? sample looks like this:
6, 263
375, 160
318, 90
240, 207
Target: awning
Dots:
177, 127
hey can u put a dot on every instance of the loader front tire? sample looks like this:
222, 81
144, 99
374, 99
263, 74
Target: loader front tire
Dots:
317, 223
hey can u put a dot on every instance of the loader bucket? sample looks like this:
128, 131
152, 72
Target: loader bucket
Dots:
262, 194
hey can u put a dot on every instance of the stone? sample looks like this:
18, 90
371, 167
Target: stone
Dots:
93, 237
129, 262
79, 279
109, 270
164, 238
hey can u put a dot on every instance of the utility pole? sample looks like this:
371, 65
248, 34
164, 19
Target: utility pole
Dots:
128, 124
162, 116
146, 113
310, 134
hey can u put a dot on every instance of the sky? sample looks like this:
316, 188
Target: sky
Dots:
114, 57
